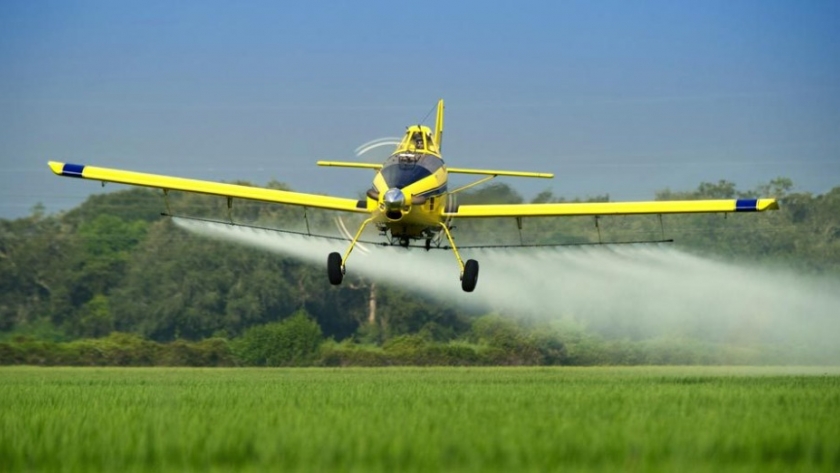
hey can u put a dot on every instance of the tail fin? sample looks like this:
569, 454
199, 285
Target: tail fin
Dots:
439, 125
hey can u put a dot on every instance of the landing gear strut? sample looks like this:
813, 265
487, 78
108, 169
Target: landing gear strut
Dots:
469, 271
336, 264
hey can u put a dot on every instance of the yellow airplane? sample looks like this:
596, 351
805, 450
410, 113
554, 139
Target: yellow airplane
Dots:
410, 198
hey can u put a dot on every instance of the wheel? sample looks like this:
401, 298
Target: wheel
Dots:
334, 269
470, 278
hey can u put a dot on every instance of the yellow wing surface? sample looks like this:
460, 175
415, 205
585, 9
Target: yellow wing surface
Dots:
613, 208
208, 187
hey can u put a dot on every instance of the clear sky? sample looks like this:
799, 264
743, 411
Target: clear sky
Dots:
615, 97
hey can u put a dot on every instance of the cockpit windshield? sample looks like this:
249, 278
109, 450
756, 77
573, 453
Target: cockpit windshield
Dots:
418, 139
403, 169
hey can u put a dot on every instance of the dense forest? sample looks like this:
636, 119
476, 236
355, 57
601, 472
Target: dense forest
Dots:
113, 282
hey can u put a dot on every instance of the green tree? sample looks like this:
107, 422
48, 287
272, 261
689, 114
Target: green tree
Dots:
292, 342
95, 318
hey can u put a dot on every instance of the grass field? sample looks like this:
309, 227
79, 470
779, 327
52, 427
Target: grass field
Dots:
411, 419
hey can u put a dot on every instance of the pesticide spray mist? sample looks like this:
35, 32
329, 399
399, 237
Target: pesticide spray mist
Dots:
637, 292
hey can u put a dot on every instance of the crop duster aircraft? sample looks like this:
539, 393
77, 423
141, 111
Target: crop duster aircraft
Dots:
410, 198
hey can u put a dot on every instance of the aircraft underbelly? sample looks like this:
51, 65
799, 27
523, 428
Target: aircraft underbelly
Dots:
418, 222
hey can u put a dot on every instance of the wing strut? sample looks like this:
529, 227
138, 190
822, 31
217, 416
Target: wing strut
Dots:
598, 227
166, 200
662, 226
471, 184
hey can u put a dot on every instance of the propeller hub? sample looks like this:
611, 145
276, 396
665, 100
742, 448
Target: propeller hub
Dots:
394, 200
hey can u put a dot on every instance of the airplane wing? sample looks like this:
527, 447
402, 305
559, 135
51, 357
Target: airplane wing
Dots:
208, 187
613, 208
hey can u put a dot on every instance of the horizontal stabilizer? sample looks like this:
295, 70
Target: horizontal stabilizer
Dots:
493, 172
345, 164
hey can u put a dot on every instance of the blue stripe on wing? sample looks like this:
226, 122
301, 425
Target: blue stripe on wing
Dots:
746, 205
72, 170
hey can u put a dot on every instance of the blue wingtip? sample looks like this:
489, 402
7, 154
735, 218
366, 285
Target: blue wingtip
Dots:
72, 170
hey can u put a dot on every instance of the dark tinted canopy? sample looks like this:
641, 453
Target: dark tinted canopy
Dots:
403, 169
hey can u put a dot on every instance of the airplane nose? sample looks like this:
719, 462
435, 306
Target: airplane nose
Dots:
393, 199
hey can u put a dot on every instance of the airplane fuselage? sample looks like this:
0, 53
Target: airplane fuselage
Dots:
409, 192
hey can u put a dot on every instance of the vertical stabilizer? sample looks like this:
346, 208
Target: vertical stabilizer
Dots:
439, 125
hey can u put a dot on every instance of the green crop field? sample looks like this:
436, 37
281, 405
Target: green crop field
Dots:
413, 419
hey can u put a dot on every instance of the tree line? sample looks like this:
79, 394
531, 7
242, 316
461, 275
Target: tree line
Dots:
112, 271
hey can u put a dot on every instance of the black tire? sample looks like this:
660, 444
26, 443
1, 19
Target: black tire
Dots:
334, 269
470, 278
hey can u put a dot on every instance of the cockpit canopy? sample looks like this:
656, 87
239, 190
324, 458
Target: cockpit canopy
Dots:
403, 169
418, 139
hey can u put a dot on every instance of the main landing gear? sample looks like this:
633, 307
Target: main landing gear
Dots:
470, 276
334, 269
469, 270
335, 263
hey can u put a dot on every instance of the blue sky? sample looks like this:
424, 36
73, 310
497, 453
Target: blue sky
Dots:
615, 97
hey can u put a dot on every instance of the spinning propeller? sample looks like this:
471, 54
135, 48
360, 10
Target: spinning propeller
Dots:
369, 152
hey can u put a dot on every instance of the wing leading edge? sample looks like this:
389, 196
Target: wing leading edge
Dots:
614, 208
208, 187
